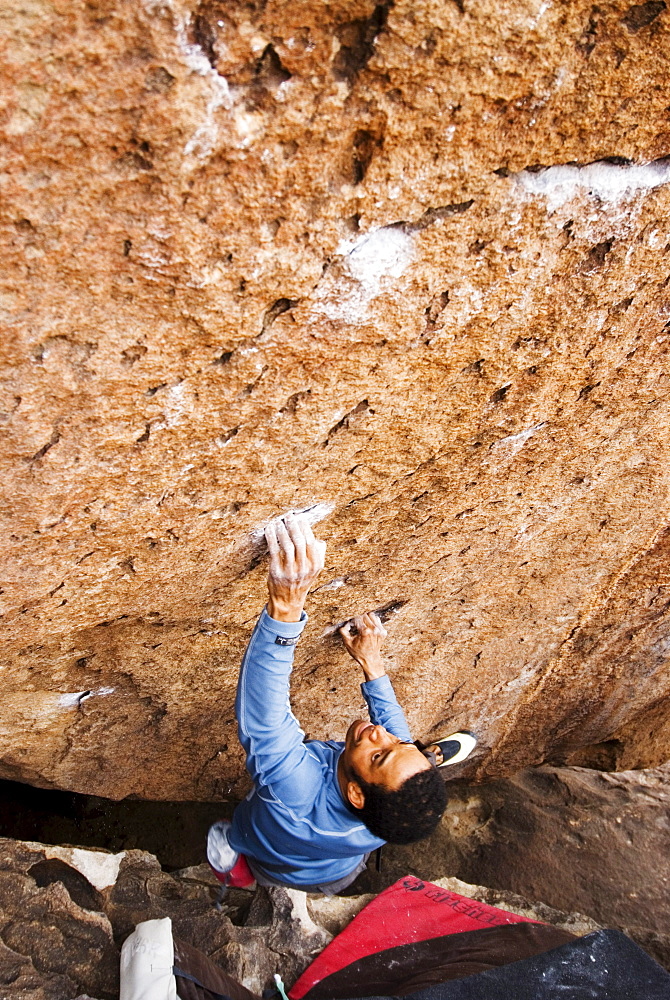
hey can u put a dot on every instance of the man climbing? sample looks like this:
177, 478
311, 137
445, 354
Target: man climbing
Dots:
317, 809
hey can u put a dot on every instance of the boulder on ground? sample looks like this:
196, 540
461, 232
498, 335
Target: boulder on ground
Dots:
580, 840
64, 914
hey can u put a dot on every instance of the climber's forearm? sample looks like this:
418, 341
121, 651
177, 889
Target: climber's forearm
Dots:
372, 668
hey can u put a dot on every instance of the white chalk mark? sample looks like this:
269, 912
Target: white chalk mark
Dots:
175, 404
248, 125
203, 140
371, 260
608, 182
71, 698
539, 14
383, 253
509, 446
312, 514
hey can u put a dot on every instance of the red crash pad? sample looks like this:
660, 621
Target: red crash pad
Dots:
408, 911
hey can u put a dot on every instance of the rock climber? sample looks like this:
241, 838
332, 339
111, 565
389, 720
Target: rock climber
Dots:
317, 809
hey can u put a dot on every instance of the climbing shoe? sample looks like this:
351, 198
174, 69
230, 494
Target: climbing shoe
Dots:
230, 868
451, 749
220, 854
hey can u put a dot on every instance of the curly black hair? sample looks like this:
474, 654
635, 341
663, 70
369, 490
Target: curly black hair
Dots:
408, 813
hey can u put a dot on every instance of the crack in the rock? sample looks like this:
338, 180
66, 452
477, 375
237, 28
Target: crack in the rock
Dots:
595, 259
203, 35
441, 559
345, 422
367, 496
641, 15
41, 452
365, 143
278, 308
433, 215
210, 760
229, 435
292, 403
568, 643
384, 613
357, 42
144, 436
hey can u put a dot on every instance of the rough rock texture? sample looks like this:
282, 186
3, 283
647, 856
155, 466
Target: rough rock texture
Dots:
64, 915
408, 260
597, 843
65, 912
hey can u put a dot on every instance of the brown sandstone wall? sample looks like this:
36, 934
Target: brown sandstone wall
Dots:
258, 256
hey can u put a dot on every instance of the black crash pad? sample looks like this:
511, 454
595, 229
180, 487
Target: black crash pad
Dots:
605, 965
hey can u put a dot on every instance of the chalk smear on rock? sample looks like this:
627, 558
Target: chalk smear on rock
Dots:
312, 514
606, 181
371, 260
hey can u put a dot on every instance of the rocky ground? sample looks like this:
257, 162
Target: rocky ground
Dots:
578, 840
64, 914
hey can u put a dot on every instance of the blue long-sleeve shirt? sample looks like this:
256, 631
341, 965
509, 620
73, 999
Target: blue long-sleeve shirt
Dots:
294, 822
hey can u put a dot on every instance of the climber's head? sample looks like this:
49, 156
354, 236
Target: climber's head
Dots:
390, 784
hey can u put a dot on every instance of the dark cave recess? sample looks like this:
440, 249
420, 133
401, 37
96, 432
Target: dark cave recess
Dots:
174, 831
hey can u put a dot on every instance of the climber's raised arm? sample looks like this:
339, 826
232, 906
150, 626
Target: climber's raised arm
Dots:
317, 807
268, 730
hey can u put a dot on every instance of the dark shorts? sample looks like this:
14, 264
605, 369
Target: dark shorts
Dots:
327, 889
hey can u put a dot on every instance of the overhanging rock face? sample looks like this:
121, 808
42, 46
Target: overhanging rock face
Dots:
407, 263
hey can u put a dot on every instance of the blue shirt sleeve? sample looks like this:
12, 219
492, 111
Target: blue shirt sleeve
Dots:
268, 730
384, 708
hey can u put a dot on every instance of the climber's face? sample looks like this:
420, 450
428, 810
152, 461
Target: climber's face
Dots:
378, 757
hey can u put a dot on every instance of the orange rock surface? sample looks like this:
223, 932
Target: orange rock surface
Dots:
406, 262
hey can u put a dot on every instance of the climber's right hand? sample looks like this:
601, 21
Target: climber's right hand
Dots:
296, 559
